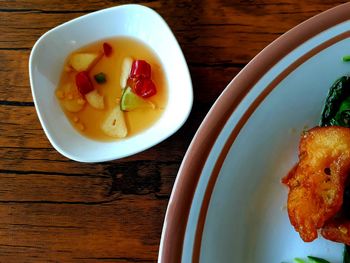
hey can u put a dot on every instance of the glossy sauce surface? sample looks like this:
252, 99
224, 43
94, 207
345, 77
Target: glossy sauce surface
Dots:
89, 120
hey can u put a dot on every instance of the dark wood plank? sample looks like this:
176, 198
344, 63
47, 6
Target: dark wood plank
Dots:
14, 76
17, 35
55, 188
119, 177
67, 6
43, 232
209, 32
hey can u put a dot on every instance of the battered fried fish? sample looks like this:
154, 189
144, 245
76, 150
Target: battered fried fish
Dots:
317, 182
337, 229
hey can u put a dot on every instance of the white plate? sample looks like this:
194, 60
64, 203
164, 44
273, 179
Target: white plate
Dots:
228, 203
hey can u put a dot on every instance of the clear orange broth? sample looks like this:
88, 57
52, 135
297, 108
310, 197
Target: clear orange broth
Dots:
138, 120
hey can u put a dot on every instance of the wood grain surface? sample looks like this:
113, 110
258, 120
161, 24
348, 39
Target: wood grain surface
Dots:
56, 210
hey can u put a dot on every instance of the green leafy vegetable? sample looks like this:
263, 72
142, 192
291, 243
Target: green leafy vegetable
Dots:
342, 118
346, 58
100, 78
346, 254
299, 260
336, 110
311, 259
317, 260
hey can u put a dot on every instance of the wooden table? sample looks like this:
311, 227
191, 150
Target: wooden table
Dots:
56, 210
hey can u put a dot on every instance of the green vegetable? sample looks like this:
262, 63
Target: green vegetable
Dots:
346, 58
342, 118
299, 260
336, 110
100, 78
346, 254
311, 259
130, 101
317, 260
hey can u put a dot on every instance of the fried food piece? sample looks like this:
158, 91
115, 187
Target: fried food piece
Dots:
317, 182
337, 230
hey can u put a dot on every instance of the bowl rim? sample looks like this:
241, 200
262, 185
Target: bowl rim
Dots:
180, 202
53, 142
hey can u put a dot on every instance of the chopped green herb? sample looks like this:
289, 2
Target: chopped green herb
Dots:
346, 58
100, 78
299, 260
317, 260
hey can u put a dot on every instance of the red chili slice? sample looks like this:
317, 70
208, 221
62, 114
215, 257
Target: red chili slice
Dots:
107, 49
83, 82
145, 88
140, 69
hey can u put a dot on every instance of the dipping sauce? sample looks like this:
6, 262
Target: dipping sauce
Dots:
112, 89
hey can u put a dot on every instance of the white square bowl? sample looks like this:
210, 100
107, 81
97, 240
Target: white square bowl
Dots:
46, 64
